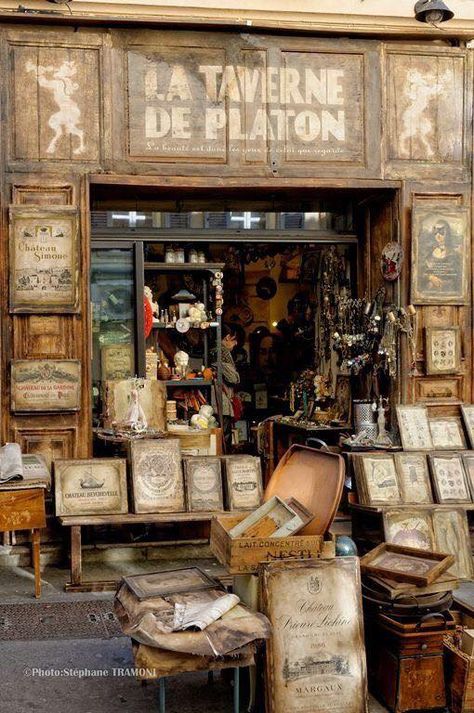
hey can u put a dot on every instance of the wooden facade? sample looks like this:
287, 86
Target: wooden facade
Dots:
181, 110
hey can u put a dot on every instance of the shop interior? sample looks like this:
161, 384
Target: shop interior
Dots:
288, 274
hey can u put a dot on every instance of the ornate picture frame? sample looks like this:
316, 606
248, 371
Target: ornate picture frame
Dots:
413, 478
45, 385
447, 433
449, 478
414, 428
90, 486
157, 476
203, 483
443, 350
440, 254
44, 259
376, 478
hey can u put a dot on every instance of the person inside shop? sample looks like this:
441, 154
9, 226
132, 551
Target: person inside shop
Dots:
230, 377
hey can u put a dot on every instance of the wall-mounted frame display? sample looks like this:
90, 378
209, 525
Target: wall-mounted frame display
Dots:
96, 486
376, 477
467, 411
44, 259
449, 479
157, 475
316, 649
414, 428
203, 481
443, 350
413, 478
440, 254
447, 433
45, 385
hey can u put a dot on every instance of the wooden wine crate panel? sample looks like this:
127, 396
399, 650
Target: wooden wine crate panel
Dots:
459, 670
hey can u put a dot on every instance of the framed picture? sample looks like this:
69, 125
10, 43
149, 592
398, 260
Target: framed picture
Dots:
313, 606
243, 479
203, 482
117, 362
468, 462
405, 564
409, 528
436, 389
45, 385
343, 399
443, 350
447, 433
449, 479
440, 254
157, 475
376, 477
171, 581
96, 486
413, 478
151, 398
452, 536
467, 411
44, 250
414, 428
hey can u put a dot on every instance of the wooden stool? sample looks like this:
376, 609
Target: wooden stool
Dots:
24, 510
156, 664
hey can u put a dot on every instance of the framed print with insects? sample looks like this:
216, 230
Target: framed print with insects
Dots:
413, 478
440, 254
468, 461
447, 433
376, 478
44, 259
467, 411
414, 428
443, 350
449, 479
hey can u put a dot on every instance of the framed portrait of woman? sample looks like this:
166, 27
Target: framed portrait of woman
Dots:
440, 254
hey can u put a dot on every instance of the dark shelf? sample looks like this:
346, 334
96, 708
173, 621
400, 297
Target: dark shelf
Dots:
163, 325
189, 382
184, 266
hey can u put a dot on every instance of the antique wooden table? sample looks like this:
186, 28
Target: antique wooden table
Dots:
24, 509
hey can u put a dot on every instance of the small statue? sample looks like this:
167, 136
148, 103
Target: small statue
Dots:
383, 439
135, 419
181, 360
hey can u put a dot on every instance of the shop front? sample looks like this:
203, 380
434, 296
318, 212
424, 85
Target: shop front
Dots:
243, 242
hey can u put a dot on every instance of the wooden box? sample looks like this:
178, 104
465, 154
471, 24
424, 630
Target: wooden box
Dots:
242, 555
459, 672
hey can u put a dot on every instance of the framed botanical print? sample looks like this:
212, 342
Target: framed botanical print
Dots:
447, 433
243, 478
443, 350
409, 528
157, 475
440, 254
452, 536
315, 656
44, 259
203, 483
96, 486
449, 479
376, 477
467, 411
414, 428
468, 461
413, 478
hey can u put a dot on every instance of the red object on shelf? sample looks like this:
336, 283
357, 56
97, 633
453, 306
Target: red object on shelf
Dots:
147, 317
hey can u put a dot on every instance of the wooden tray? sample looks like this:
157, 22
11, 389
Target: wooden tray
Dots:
315, 478
430, 564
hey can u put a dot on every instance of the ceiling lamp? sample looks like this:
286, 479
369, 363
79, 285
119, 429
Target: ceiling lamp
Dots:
431, 11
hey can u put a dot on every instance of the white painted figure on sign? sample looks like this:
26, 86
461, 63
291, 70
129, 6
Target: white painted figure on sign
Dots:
60, 83
416, 126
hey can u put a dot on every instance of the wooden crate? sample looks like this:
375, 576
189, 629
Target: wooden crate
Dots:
459, 670
242, 555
